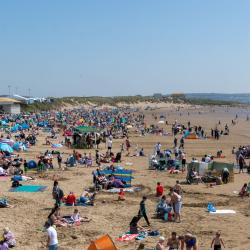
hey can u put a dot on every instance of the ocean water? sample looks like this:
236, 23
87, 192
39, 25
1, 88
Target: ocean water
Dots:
242, 98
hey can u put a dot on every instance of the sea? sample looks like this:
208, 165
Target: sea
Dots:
241, 98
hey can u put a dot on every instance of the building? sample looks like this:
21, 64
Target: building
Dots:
9, 105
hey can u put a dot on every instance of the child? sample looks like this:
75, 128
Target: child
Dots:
217, 242
76, 218
244, 191
121, 195
159, 190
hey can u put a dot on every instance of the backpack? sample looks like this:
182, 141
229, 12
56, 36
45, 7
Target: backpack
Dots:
60, 194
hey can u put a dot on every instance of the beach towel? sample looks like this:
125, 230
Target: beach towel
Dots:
117, 190
28, 189
127, 237
4, 178
223, 211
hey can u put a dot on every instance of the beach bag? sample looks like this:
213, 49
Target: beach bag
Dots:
60, 193
211, 208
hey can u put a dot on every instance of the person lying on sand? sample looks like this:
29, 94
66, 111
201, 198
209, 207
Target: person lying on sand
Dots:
22, 178
87, 198
4, 203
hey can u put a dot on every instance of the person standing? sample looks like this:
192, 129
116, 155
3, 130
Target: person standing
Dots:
158, 148
142, 211
217, 242
52, 242
159, 190
128, 145
176, 200
173, 242
183, 162
182, 143
59, 161
109, 144
25, 166
175, 142
241, 162
57, 193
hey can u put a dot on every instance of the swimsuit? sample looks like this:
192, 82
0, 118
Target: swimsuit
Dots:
217, 247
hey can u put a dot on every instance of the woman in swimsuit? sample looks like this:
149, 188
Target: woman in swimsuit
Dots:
173, 242
189, 241
217, 242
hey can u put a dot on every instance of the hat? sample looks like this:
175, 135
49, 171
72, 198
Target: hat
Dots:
6, 230
161, 238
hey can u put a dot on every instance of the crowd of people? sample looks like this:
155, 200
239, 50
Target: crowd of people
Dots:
111, 125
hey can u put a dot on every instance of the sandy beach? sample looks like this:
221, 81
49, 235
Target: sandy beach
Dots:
112, 217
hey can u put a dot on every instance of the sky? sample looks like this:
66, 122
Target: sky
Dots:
130, 47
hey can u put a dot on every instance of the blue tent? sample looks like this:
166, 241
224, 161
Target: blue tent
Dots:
6, 147
122, 174
32, 164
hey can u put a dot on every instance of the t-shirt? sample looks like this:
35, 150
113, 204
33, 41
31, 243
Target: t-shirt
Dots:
4, 246
75, 217
71, 199
52, 236
159, 190
142, 207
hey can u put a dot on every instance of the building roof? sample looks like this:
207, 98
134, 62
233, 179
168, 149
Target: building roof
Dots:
8, 100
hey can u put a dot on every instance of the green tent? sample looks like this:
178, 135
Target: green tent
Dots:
86, 129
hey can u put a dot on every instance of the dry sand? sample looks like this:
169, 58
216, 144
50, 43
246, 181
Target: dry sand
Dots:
26, 219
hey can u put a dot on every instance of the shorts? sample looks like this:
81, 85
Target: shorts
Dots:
53, 247
177, 207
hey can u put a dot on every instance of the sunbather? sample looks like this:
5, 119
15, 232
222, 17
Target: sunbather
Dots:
4, 203
87, 198
21, 178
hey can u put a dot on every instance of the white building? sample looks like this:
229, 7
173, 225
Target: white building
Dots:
11, 106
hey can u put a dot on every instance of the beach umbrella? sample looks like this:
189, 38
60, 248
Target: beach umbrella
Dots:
6, 147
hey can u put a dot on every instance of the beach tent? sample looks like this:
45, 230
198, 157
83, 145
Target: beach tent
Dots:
32, 164
7, 141
103, 243
19, 146
6, 147
121, 174
215, 168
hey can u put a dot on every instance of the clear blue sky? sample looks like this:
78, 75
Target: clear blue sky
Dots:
83, 48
